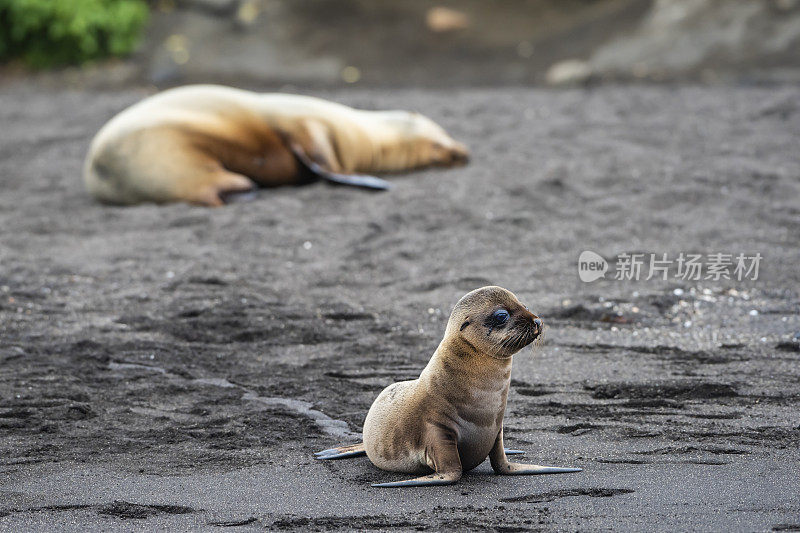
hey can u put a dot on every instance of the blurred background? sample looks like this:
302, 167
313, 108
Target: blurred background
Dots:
409, 43
169, 367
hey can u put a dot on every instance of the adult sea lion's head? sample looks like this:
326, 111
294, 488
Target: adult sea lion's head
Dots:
413, 140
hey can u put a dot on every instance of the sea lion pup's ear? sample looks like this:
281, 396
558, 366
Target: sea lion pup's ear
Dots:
464, 325
314, 150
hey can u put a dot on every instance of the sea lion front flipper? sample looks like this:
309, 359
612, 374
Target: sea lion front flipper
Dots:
355, 180
447, 478
342, 452
319, 169
502, 466
220, 187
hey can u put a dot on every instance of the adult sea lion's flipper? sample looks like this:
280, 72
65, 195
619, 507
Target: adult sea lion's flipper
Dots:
342, 452
218, 186
354, 180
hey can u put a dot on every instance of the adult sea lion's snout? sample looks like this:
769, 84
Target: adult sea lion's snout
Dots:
448, 153
459, 154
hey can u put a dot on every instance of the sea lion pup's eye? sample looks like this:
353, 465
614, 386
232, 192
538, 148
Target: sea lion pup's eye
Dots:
499, 317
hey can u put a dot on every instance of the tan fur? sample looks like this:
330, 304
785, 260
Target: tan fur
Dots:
451, 418
195, 143
461, 393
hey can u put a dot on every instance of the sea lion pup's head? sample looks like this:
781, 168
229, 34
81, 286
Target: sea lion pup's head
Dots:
494, 322
412, 140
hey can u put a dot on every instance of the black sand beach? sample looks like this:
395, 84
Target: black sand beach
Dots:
175, 367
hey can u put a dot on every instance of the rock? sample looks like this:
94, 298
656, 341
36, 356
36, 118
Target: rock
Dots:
444, 19
702, 39
568, 72
220, 8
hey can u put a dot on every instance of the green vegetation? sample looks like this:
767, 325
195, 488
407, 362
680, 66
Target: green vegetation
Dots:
46, 33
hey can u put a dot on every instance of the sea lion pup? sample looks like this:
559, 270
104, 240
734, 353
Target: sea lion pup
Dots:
199, 143
451, 418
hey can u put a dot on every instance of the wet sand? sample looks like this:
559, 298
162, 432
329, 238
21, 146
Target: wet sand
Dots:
175, 367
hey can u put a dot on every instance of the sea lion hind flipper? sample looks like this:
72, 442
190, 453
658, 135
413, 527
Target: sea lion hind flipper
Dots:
343, 455
509, 451
342, 452
354, 180
238, 197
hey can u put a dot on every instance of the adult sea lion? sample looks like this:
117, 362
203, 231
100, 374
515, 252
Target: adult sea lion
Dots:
451, 418
199, 143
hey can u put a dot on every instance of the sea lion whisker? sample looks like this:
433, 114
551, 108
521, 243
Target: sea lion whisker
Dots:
518, 340
514, 342
496, 347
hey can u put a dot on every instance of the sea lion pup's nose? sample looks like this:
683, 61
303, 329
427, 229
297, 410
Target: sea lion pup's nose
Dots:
538, 322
